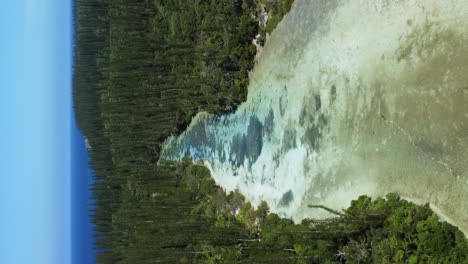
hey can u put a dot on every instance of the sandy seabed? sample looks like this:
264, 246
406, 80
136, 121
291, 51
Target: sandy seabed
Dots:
349, 97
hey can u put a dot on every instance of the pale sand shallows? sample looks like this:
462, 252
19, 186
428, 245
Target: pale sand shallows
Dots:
349, 97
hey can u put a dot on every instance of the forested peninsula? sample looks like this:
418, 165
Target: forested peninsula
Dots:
142, 70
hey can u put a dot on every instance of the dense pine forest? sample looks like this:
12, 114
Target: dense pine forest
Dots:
142, 70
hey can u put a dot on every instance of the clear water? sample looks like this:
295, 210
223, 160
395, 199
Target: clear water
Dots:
349, 97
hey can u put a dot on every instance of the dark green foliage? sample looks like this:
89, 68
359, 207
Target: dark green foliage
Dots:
388, 230
142, 70
276, 10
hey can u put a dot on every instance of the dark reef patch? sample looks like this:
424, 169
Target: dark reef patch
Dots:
286, 199
248, 146
254, 139
318, 102
313, 132
289, 139
333, 93
269, 123
198, 134
283, 101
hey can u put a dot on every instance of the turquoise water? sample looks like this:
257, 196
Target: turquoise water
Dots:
349, 98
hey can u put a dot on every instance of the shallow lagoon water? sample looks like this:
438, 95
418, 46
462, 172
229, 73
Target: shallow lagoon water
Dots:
349, 97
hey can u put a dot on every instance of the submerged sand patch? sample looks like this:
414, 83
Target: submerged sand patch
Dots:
349, 97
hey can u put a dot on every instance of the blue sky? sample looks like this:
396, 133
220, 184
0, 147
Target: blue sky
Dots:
35, 110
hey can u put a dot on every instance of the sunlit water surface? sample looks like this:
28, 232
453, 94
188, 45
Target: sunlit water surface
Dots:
348, 98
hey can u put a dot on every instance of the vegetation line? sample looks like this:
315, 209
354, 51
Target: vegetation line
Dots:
143, 69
